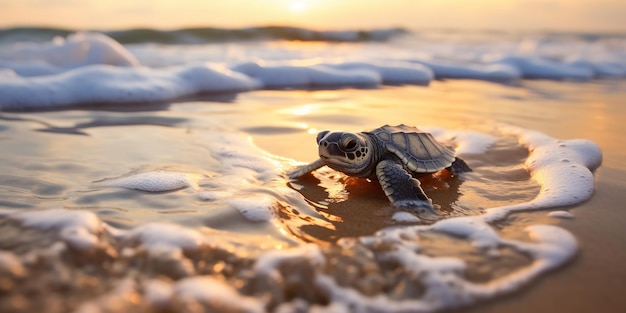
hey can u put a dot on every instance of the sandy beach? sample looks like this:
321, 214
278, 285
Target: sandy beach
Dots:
78, 158
153, 156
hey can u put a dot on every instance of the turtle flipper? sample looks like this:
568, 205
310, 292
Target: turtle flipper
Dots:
401, 188
304, 169
458, 166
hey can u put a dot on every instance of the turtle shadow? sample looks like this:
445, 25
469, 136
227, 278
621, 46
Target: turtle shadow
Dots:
356, 207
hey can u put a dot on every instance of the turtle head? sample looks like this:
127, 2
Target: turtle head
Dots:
346, 152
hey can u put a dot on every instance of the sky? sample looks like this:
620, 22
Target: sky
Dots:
556, 15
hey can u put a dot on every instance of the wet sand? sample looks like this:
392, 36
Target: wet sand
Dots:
284, 123
594, 279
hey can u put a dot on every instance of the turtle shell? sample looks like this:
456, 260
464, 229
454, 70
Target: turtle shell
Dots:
418, 150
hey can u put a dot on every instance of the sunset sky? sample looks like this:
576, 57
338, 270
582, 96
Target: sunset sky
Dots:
576, 15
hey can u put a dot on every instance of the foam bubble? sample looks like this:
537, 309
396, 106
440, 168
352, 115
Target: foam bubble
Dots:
157, 235
554, 245
215, 294
404, 217
258, 209
59, 219
267, 263
79, 229
474, 229
561, 214
152, 181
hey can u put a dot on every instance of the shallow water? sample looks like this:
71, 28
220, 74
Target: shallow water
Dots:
216, 165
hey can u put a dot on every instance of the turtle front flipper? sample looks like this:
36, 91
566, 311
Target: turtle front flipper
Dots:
401, 188
304, 169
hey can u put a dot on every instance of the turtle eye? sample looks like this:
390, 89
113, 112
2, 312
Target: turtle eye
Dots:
348, 144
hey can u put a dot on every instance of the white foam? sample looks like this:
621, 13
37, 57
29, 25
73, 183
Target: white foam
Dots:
80, 49
598, 67
208, 290
404, 217
474, 229
79, 229
59, 219
563, 168
561, 214
443, 278
466, 142
257, 209
268, 263
494, 72
152, 181
29, 69
392, 72
553, 246
158, 235
109, 84
317, 75
535, 67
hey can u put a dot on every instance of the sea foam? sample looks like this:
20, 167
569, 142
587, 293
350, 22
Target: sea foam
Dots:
280, 76
152, 181
469, 70
59, 55
99, 84
535, 67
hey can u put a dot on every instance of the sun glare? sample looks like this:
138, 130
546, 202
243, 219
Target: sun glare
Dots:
297, 6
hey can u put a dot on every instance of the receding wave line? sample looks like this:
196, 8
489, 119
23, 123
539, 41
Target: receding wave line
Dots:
209, 34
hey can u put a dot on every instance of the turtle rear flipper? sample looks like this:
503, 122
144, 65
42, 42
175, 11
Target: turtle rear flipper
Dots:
458, 166
401, 188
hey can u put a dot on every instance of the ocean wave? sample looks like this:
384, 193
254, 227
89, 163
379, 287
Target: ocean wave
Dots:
209, 34
105, 84
93, 68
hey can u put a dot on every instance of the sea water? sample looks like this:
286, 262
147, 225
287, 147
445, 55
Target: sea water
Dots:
158, 169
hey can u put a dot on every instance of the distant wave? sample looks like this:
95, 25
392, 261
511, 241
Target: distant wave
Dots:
208, 34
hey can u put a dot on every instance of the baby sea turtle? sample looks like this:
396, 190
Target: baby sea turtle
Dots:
395, 155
